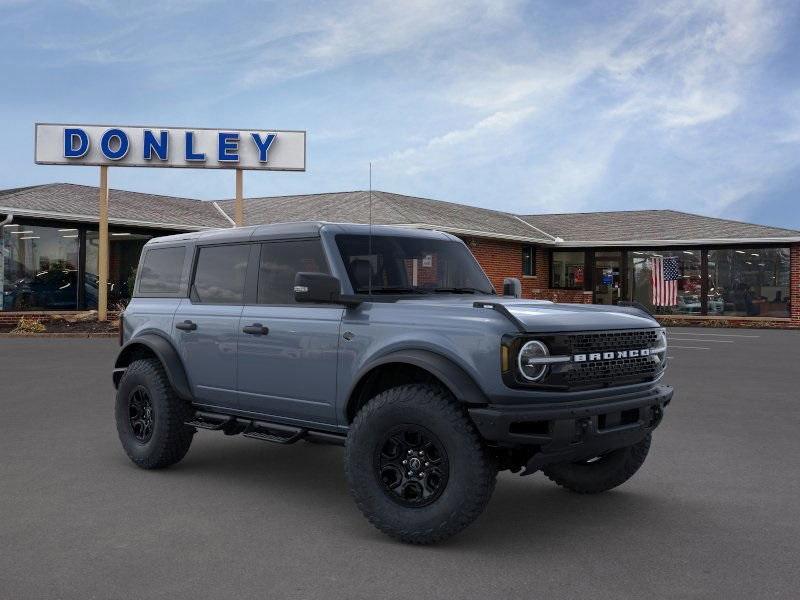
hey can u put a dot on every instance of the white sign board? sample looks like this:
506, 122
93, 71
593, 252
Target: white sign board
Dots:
189, 148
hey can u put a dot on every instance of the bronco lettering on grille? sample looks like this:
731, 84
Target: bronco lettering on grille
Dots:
596, 356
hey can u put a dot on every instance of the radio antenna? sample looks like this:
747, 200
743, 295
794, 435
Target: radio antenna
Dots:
369, 251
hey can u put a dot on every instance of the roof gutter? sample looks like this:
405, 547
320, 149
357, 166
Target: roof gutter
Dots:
94, 219
476, 233
685, 242
224, 214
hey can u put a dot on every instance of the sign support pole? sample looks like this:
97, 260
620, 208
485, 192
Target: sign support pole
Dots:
102, 255
239, 209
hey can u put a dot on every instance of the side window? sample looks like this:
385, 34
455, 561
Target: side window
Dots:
529, 260
161, 271
220, 274
280, 262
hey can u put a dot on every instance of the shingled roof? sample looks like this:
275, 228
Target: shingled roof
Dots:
652, 226
388, 209
67, 201
72, 202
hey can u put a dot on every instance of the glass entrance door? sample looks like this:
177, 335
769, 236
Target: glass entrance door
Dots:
607, 277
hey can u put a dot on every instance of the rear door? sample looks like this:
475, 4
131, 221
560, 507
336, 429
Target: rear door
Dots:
288, 352
207, 323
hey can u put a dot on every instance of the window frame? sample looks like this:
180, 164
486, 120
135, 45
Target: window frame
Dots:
534, 265
255, 277
179, 293
194, 299
588, 262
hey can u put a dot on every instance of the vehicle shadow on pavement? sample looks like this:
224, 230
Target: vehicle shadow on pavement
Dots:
524, 511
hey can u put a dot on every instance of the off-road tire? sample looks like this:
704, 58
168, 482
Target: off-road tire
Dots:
607, 472
170, 437
471, 472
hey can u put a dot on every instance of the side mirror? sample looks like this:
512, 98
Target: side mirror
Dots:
512, 287
316, 287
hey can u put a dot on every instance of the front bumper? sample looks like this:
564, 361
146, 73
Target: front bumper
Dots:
560, 432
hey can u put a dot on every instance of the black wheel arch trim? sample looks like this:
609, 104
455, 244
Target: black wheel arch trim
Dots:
455, 378
166, 354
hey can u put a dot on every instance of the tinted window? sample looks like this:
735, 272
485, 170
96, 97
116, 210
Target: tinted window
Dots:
161, 271
280, 262
220, 273
567, 270
410, 265
749, 282
528, 260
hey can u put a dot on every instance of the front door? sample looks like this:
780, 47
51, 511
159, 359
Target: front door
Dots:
607, 277
206, 325
288, 352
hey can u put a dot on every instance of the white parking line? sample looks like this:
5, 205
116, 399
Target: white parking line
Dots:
736, 335
689, 347
682, 339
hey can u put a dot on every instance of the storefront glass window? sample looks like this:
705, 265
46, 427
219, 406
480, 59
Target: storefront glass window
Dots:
39, 268
125, 247
746, 282
568, 270
666, 281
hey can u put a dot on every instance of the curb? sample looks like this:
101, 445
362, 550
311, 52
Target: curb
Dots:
58, 335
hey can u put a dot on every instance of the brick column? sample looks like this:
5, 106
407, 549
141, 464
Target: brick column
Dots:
794, 283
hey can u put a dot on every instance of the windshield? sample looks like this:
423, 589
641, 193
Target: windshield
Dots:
410, 265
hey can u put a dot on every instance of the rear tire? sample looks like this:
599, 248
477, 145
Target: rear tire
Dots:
602, 473
450, 476
150, 416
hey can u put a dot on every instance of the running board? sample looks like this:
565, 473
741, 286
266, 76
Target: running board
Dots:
277, 433
210, 421
273, 432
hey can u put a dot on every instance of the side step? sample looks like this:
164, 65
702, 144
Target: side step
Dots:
211, 421
273, 432
276, 433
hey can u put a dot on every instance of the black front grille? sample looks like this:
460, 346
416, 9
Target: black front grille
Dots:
618, 370
588, 371
584, 343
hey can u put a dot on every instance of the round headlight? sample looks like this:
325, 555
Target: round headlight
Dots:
528, 361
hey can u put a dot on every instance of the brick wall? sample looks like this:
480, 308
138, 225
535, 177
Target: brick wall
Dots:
501, 259
13, 317
794, 283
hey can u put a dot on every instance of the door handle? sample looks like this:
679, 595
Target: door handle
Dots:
256, 329
186, 326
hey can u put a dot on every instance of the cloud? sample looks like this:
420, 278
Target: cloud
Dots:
465, 146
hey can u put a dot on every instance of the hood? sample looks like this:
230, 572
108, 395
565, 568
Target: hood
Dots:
541, 316
538, 316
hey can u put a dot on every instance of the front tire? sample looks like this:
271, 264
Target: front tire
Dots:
447, 477
150, 416
601, 473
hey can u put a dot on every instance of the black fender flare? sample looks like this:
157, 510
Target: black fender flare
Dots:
165, 352
456, 379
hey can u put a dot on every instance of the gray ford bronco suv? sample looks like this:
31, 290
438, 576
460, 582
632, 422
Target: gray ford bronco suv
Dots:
393, 343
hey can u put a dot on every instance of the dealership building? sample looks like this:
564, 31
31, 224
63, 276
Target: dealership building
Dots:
684, 268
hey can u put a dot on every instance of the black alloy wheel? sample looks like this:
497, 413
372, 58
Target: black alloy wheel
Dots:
140, 414
412, 465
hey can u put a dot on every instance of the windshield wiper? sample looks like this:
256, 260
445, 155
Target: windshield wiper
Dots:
389, 290
460, 290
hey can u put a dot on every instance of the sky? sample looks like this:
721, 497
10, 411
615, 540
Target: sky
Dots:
528, 107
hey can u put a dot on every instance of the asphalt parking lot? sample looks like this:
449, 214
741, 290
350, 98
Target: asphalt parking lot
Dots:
714, 512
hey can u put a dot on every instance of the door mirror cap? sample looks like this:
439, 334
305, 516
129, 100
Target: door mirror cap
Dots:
512, 287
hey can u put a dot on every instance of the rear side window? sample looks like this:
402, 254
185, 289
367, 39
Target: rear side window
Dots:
220, 274
161, 271
280, 262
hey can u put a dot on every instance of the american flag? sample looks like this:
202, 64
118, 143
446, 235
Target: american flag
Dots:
665, 280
